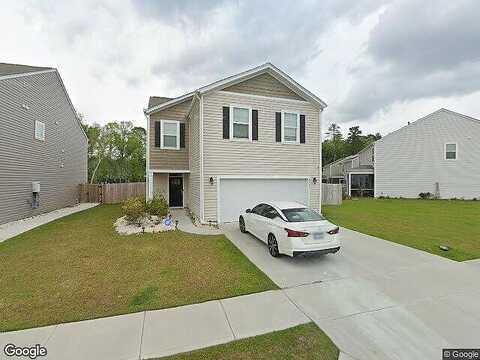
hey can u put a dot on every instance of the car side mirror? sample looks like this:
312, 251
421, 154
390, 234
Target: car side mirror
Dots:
248, 211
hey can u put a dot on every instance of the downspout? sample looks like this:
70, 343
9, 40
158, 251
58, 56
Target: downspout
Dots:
320, 160
148, 175
202, 190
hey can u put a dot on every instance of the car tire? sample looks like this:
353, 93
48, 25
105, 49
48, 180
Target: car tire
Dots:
272, 245
241, 224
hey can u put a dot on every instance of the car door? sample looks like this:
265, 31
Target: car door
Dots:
266, 222
255, 220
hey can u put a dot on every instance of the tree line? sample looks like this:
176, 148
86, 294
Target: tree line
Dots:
336, 147
116, 152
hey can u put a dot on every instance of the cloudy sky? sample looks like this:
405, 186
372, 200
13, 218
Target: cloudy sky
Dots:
378, 64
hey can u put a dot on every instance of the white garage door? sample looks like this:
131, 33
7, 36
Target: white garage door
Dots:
237, 195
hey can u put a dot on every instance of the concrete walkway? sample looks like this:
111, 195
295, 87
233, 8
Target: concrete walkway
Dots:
158, 333
377, 299
185, 224
15, 228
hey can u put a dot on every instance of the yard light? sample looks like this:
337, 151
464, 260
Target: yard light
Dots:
211, 180
314, 180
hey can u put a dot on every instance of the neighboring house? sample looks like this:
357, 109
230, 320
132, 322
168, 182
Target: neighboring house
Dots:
43, 148
439, 154
227, 146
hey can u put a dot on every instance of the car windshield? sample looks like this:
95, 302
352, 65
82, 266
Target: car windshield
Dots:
302, 214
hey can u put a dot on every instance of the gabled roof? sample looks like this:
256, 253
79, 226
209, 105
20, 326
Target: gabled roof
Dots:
8, 71
245, 75
346, 158
16, 69
157, 100
450, 112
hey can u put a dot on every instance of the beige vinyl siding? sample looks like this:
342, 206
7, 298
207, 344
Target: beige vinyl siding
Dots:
186, 190
366, 156
264, 85
355, 163
194, 176
160, 185
163, 159
24, 159
264, 157
412, 159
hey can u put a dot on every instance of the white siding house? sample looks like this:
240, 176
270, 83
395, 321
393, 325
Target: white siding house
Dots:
439, 153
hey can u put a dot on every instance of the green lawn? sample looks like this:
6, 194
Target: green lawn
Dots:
301, 342
421, 224
79, 268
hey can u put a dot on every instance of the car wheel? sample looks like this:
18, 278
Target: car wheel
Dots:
241, 223
273, 246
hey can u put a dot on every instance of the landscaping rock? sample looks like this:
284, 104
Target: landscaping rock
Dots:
149, 224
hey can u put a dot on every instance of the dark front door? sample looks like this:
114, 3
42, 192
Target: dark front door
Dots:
175, 191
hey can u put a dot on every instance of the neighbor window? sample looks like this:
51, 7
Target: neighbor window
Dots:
39, 130
241, 123
170, 134
451, 151
291, 127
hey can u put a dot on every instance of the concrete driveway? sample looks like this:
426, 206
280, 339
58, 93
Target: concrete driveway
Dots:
377, 299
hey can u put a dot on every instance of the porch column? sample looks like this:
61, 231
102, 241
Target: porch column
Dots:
150, 185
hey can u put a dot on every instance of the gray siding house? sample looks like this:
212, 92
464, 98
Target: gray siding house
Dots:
439, 154
43, 148
252, 137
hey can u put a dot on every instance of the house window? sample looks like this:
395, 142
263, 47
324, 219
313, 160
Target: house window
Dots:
241, 124
291, 127
170, 134
451, 151
39, 130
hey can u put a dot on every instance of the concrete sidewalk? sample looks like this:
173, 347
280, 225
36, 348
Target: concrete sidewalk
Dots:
15, 228
159, 333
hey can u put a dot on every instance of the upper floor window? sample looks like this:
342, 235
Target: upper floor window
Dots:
291, 127
241, 124
39, 130
451, 151
170, 131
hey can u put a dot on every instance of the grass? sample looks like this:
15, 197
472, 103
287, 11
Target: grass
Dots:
301, 342
421, 224
79, 268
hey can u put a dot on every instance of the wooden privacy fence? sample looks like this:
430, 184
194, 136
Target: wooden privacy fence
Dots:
331, 194
110, 193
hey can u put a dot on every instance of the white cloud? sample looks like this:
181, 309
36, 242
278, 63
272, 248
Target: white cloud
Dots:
113, 55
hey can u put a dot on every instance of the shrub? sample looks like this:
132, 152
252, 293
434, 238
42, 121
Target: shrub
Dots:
425, 195
134, 210
157, 206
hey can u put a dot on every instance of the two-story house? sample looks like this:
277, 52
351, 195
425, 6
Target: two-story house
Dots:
229, 145
43, 148
437, 154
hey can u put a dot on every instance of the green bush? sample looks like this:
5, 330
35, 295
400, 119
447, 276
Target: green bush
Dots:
134, 210
425, 196
157, 206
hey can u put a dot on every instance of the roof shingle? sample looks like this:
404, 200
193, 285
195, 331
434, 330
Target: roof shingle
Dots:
14, 69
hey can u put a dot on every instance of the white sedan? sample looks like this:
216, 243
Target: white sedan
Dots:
290, 228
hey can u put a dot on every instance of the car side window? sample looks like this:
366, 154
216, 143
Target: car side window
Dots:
270, 212
258, 209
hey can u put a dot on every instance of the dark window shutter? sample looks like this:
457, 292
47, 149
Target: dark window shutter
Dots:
254, 124
302, 129
278, 127
157, 133
182, 135
226, 122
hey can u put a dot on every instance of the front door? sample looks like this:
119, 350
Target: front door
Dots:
175, 191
